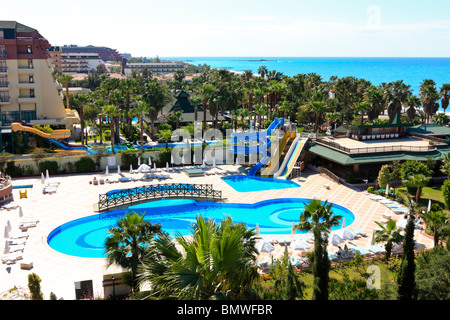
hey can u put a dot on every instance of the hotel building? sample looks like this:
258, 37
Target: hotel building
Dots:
28, 90
155, 68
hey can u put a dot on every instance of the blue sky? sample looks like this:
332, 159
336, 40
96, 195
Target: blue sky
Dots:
320, 28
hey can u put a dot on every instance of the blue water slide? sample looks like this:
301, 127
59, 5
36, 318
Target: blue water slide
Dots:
254, 136
64, 146
268, 156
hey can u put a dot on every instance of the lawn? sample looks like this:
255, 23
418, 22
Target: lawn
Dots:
432, 193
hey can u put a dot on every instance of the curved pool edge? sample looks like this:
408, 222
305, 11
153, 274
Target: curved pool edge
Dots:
119, 213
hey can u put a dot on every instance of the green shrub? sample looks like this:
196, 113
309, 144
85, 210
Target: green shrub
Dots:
370, 189
51, 166
129, 158
446, 193
350, 178
13, 170
85, 164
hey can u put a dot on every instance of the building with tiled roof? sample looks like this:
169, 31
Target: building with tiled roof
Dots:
28, 90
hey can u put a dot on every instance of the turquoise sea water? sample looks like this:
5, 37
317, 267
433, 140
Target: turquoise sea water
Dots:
85, 237
377, 70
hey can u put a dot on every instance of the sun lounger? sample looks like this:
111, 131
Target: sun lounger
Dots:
400, 210
26, 219
376, 249
13, 242
18, 235
49, 190
25, 226
16, 248
11, 258
359, 232
363, 251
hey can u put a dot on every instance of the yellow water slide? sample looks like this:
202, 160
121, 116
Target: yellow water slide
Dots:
56, 134
273, 164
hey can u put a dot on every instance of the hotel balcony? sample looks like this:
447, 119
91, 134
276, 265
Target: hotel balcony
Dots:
25, 85
4, 85
25, 99
26, 69
3, 70
5, 100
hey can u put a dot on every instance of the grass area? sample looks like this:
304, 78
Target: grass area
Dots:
353, 272
432, 193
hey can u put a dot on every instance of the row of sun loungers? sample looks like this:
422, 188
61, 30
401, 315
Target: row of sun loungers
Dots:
15, 241
391, 204
221, 171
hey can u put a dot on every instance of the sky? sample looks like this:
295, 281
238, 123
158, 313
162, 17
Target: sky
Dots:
244, 28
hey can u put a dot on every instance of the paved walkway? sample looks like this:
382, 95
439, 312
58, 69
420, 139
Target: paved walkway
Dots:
75, 198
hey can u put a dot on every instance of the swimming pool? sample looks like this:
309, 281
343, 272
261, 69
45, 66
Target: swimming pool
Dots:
242, 183
85, 237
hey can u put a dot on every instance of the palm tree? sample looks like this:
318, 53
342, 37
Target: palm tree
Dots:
435, 220
155, 95
243, 113
362, 108
127, 86
216, 262
319, 218
126, 245
207, 92
413, 102
165, 135
319, 108
141, 109
175, 116
374, 96
396, 94
429, 96
65, 79
112, 112
417, 182
445, 95
81, 99
445, 167
389, 234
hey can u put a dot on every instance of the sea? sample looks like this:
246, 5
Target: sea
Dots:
376, 70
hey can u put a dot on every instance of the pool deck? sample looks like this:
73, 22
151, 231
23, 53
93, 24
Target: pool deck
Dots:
75, 197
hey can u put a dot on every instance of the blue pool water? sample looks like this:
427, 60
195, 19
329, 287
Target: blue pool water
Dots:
250, 184
85, 237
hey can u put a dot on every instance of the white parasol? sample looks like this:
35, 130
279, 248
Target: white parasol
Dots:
300, 244
264, 246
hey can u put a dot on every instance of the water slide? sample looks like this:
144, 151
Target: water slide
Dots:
273, 165
57, 134
52, 137
290, 159
257, 136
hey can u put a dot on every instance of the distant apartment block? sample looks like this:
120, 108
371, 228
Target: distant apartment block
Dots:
28, 90
155, 68
105, 53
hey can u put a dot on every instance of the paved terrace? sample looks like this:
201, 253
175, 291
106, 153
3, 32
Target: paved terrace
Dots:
75, 198
382, 145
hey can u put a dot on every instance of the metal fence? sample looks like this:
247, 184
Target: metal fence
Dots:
129, 196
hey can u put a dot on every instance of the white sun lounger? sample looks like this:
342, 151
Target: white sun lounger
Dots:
11, 258
13, 242
16, 248
359, 232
